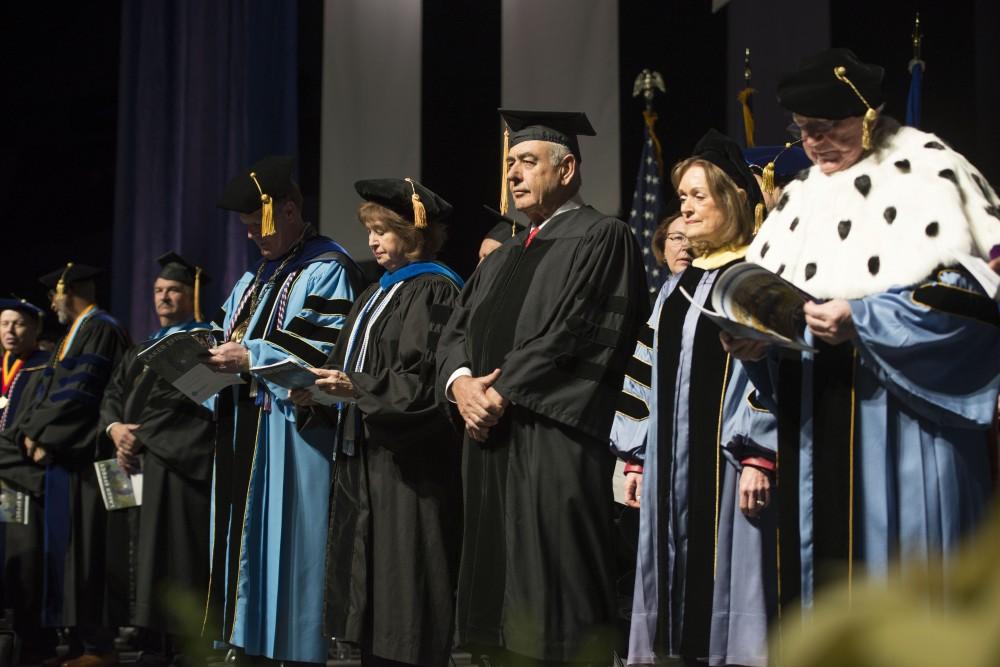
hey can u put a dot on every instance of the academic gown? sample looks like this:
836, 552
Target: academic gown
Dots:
271, 484
158, 552
887, 433
61, 412
395, 514
703, 569
21, 546
537, 573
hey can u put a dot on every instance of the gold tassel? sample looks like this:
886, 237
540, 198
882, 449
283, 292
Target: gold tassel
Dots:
871, 115
503, 178
61, 284
419, 212
197, 295
866, 128
266, 210
767, 178
758, 217
748, 124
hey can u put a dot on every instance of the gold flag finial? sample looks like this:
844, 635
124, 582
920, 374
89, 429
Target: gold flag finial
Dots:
871, 115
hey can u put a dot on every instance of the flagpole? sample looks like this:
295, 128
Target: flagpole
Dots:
916, 67
744, 98
648, 198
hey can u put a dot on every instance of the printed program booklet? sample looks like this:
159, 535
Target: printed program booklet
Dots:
179, 359
290, 374
748, 301
118, 488
13, 505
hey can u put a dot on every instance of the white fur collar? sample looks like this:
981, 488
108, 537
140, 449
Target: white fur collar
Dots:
889, 220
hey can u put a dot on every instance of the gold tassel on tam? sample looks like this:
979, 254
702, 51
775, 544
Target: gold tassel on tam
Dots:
266, 210
748, 123
758, 216
767, 177
419, 212
503, 178
871, 115
61, 285
197, 295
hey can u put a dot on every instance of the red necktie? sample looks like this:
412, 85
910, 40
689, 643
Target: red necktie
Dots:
531, 235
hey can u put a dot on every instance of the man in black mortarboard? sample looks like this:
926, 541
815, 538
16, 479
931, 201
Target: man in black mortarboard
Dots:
503, 228
158, 552
22, 544
56, 431
533, 358
271, 484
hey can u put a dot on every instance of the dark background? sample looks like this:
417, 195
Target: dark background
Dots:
60, 68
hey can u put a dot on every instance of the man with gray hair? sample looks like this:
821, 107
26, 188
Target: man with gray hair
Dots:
531, 358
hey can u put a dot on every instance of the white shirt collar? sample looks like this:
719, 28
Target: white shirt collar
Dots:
571, 204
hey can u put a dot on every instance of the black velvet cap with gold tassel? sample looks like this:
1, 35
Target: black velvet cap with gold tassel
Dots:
266, 182
725, 154
175, 267
406, 197
832, 85
65, 276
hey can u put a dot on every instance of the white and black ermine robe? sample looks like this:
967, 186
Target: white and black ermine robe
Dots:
887, 432
558, 318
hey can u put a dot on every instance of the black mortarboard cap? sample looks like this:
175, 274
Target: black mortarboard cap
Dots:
561, 127
69, 274
814, 89
274, 176
23, 306
503, 227
725, 154
411, 200
175, 267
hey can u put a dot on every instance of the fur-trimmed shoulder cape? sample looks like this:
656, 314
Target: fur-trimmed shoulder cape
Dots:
890, 220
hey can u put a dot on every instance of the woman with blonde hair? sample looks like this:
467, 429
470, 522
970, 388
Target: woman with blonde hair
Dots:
683, 425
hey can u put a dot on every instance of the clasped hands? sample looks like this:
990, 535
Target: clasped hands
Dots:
829, 321
330, 381
480, 405
35, 451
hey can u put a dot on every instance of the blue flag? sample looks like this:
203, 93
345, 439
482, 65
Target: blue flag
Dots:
913, 99
648, 204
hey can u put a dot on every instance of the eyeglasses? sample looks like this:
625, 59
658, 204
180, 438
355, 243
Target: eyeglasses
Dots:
812, 127
677, 239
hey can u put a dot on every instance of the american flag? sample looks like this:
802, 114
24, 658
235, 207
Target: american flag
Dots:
648, 203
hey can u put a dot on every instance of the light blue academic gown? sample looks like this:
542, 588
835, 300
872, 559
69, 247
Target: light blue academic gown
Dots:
925, 383
276, 609
741, 597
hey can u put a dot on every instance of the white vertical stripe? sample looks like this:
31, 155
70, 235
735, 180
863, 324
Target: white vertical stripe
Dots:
370, 124
562, 55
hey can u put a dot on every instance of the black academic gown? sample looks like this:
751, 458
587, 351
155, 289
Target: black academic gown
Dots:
395, 508
158, 552
61, 413
537, 574
21, 546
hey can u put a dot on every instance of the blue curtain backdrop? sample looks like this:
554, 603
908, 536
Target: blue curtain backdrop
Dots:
206, 88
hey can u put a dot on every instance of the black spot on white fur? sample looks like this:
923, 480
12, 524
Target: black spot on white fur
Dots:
843, 229
873, 265
993, 210
810, 270
802, 175
781, 269
781, 202
903, 166
948, 174
764, 248
863, 183
889, 214
936, 145
795, 223
932, 229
